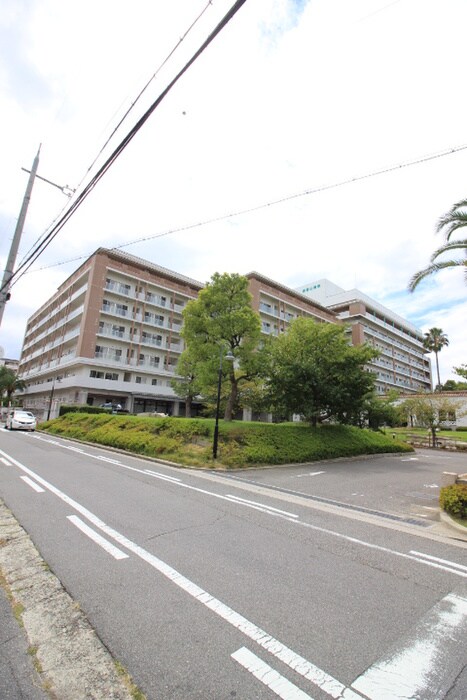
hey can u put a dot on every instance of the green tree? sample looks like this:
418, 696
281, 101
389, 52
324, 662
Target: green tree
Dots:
452, 385
221, 319
461, 371
316, 373
450, 223
431, 411
435, 340
10, 383
186, 385
382, 410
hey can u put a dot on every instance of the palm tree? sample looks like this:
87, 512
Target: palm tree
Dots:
455, 219
10, 383
435, 341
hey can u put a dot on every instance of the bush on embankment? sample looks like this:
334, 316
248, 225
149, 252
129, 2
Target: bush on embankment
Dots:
453, 499
241, 444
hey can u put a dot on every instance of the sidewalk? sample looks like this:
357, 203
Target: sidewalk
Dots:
19, 679
56, 654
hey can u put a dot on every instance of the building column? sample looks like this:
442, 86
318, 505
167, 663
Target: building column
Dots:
247, 414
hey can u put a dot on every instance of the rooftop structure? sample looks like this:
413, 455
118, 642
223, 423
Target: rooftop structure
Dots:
403, 363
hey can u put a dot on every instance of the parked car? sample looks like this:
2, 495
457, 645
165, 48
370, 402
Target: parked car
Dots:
21, 420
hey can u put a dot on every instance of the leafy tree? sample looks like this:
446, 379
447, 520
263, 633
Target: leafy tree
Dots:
186, 385
452, 385
435, 341
381, 410
455, 219
316, 373
461, 371
10, 383
430, 411
221, 319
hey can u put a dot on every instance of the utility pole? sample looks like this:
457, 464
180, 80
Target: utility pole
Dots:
8, 274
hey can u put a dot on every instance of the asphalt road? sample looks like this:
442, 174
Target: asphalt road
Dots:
318, 581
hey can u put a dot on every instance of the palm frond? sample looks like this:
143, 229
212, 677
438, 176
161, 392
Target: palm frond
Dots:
454, 219
447, 247
431, 269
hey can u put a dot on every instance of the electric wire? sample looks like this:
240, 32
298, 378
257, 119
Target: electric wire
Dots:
133, 104
145, 87
121, 147
266, 205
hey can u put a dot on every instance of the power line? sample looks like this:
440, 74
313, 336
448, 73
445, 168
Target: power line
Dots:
122, 145
145, 87
133, 104
274, 202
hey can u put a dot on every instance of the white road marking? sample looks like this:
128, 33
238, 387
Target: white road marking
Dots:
107, 459
5, 462
98, 539
302, 523
165, 477
32, 484
379, 548
430, 486
74, 449
417, 670
441, 561
305, 668
264, 673
409, 459
262, 506
297, 476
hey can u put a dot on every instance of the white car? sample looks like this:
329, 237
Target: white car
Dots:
21, 420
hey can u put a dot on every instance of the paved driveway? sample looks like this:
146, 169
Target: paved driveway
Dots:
407, 485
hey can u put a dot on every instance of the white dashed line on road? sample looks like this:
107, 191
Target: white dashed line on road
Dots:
32, 484
98, 539
272, 679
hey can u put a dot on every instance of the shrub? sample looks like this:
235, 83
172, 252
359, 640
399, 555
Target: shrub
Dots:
81, 408
453, 499
189, 441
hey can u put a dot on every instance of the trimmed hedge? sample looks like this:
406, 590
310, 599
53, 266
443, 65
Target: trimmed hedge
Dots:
84, 408
241, 444
453, 499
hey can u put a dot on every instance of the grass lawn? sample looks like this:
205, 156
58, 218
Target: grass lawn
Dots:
401, 433
188, 441
460, 521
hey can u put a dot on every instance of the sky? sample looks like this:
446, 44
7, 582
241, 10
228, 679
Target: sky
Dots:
293, 97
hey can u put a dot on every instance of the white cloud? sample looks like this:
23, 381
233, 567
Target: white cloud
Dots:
290, 96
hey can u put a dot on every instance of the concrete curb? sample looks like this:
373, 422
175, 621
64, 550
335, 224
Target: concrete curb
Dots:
72, 661
445, 518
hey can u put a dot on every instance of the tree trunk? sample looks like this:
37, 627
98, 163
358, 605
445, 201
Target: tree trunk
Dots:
437, 368
232, 400
188, 404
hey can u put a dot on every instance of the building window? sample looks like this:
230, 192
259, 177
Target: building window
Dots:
154, 382
111, 375
138, 380
96, 375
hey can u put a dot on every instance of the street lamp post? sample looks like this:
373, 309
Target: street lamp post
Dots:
229, 356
